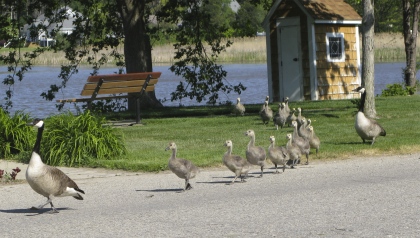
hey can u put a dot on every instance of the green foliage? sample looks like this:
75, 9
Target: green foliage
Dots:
199, 42
79, 140
248, 20
15, 136
398, 89
388, 14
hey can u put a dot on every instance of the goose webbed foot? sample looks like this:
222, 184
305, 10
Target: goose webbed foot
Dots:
233, 181
277, 171
188, 186
53, 210
262, 173
243, 178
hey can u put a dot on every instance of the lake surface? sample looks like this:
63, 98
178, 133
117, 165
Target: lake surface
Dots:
253, 76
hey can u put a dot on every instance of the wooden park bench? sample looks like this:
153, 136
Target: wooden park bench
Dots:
131, 84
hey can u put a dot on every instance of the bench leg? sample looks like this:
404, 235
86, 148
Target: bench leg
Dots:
138, 119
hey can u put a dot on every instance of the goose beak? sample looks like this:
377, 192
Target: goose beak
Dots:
167, 148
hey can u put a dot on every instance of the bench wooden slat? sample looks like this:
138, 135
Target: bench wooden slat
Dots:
130, 85
123, 77
121, 84
137, 89
88, 99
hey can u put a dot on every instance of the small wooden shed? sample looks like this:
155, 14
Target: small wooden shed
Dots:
313, 50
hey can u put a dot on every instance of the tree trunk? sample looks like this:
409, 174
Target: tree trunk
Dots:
137, 48
368, 57
410, 40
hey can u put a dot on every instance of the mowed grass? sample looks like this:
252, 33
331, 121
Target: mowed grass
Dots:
200, 132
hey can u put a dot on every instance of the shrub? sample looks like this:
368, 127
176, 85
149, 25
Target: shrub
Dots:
398, 90
75, 140
15, 136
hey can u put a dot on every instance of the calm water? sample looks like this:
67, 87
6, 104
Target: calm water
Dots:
253, 76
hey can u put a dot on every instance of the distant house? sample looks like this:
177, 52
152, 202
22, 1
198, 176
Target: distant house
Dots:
313, 50
42, 38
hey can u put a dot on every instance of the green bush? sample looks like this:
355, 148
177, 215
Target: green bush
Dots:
15, 136
77, 140
398, 90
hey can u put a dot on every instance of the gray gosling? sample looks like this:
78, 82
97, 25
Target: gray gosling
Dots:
239, 108
277, 154
303, 129
286, 105
46, 180
281, 116
299, 117
235, 163
366, 128
266, 113
293, 151
291, 117
267, 99
182, 168
301, 142
314, 141
255, 154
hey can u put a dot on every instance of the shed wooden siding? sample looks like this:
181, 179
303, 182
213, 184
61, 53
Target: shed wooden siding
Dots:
336, 79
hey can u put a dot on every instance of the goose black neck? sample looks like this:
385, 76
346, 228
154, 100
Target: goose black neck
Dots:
37, 145
362, 102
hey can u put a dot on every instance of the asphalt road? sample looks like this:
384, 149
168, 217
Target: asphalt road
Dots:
360, 197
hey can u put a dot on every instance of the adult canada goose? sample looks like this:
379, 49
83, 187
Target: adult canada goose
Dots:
266, 113
255, 154
46, 180
366, 128
314, 141
281, 116
301, 142
235, 163
293, 151
239, 108
182, 168
277, 154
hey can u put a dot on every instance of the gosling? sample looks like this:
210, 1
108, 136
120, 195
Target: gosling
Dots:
277, 154
255, 154
235, 163
182, 168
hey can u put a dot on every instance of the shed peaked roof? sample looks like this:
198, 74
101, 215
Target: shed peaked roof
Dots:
320, 10
330, 10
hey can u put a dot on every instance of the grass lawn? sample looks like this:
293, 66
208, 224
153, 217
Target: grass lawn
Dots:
200, 132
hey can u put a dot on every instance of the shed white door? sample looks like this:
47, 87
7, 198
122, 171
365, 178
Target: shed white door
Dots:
290, 60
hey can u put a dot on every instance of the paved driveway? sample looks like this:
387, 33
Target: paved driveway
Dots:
361, 197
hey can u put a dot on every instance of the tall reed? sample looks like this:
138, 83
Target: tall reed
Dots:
388, 47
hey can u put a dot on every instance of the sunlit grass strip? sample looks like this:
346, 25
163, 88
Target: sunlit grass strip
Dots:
200, 137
